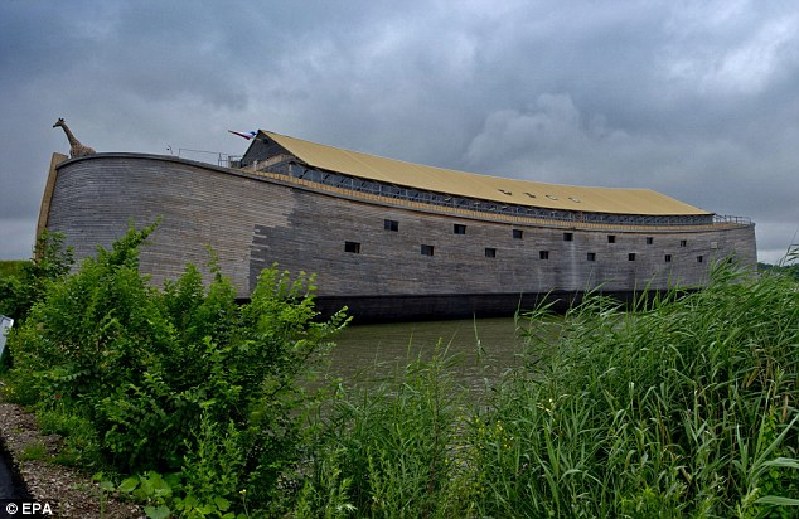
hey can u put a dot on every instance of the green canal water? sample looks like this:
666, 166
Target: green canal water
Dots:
480, 350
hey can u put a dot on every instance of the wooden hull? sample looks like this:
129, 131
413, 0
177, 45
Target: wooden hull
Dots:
254, 220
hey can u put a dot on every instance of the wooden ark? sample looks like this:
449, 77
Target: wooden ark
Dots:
390, 239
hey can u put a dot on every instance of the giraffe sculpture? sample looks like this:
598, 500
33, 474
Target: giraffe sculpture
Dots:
76, 148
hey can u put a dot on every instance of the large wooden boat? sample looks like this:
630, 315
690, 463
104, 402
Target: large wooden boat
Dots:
390, 239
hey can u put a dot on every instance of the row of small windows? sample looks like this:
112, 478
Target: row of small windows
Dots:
591, 256
650, 240
491, 252
518, 234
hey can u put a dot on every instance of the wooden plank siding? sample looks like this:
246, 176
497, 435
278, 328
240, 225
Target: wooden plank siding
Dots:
253, 220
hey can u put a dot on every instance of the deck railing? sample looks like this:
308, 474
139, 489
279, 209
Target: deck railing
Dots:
558, 220
210, 157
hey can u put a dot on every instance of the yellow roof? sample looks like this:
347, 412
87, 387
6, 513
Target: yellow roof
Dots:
485, 187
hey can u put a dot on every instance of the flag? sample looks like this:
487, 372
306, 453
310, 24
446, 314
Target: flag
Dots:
246, 135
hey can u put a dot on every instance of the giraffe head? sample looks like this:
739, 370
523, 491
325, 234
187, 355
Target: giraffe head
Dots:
59, 122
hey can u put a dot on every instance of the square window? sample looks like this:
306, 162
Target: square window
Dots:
650, 240
352, 246
591, 256
611, 238
567, 236
543, 254
700, 259
427, 250
460, 228
667, 258
631, 256
390, 225
490, 252
683, 243
518, 234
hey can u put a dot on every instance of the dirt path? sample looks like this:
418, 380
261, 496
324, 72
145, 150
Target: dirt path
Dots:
75, 493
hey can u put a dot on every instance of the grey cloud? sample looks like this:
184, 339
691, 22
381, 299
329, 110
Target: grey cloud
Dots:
696, 100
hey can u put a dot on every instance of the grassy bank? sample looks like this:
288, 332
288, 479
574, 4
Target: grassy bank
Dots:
686, 407
11, 268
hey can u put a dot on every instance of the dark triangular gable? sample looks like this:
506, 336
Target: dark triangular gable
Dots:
261, 149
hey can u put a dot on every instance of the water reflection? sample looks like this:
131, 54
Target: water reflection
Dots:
481, 349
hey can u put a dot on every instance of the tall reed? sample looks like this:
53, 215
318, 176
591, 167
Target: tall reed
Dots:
683, 407
678, 408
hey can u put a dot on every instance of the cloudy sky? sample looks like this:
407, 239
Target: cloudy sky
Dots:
698, 100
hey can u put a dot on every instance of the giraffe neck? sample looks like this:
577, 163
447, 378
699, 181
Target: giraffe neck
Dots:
71, 138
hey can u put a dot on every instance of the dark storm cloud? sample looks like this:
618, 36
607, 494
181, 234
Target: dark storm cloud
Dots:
694, 99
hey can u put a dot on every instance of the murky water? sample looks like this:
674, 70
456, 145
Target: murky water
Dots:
480, 349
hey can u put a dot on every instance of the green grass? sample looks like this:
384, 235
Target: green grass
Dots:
685, 408
11, 268
34, 452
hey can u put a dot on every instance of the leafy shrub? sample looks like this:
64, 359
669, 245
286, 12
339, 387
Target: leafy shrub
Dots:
180, 380
27, 282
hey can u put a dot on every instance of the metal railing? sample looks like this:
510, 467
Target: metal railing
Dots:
286, 168
728, 218
708, 223
222, 159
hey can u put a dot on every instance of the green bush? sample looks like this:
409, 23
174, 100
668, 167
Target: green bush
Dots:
11, 268
181, 380
24, 283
